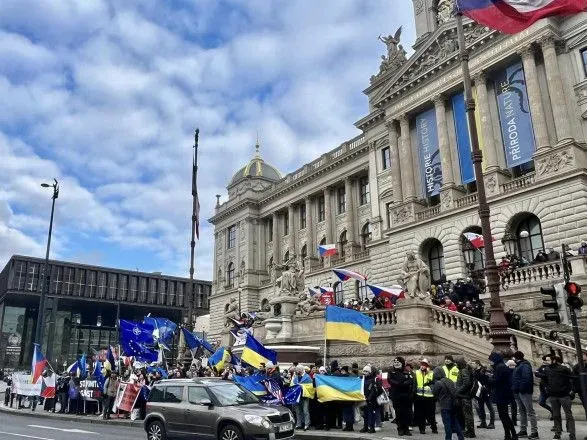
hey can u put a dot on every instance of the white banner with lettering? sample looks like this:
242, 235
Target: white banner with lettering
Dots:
21, 384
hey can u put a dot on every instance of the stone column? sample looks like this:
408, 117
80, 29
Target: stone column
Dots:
443, 143
489, 144
406, 161
373, 183
396, 174
310, 228
535, 99
276, 239
292, 231
350, 211
328, 215
556, 90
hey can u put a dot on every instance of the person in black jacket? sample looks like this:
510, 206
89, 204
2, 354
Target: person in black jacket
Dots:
483, 397
402, 395
541, 374
464, 387
560, 390
373, 389
523, 388
502, 393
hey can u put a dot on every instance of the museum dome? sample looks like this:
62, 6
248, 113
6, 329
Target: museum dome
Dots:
256, 168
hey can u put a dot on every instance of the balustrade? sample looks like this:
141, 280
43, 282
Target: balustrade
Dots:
519, 183
428, 213
468, 200
459, 321
361, 255
382, 317
561, 338
535, 272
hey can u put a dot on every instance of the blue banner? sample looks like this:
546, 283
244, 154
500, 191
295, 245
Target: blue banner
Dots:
514, 115
463, 140
430, 165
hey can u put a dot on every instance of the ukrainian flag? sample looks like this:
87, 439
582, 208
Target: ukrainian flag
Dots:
306, 383
252, 383
255, 354
345, 388
219, 359
347, 325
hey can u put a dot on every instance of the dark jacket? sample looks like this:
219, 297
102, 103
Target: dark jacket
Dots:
401, 385
444, 390
560, 381
542, 374
522, 378
465, 381
501, 382
372, 388
577, 378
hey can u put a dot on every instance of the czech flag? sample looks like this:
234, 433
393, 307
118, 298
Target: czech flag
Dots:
393, 293
347, 325
255, 353
339, 388
512, 16
345, 275
38, 365
314, 292
327, 250
476, 240
48, 387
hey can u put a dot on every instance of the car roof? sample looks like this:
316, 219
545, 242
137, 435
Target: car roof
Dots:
206, 381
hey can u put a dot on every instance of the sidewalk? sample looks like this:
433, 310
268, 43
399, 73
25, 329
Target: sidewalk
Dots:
388, 432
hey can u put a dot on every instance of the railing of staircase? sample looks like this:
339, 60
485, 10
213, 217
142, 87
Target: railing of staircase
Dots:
382, 317
460, 321
535, 272
561, 338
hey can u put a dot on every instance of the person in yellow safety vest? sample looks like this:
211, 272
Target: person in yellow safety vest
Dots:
424, 404
302, 408
451, 370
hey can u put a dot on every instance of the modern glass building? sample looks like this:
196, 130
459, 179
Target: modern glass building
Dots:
82, 307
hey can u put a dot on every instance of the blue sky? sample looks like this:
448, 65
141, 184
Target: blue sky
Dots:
105, 95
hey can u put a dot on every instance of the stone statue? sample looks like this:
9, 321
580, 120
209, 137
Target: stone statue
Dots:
396, 55
231, 313
292, 279
415, 276
309, 304
264, 313
444, 10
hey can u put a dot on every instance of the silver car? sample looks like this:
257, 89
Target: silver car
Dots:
212, 408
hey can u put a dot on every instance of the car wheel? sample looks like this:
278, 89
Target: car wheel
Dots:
156, 431
230, 432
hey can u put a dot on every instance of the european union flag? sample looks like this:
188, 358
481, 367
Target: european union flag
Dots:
139, 351
82, 367
140, 332
163, 328
100, 379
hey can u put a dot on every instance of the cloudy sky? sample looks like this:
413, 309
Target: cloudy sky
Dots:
105, 96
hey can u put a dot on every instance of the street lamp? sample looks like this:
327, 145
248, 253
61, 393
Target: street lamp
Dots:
45, 287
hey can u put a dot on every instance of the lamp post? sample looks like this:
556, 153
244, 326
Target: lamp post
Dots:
45, 287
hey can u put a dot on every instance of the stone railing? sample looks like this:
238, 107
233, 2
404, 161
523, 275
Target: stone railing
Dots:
544, 333
468, 200
428, 213
534, 272
360, 255
382, 317
459, 321
519, 183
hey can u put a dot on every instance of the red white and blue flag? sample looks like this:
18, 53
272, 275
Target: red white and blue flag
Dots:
476, 240
327, 296
393, 292
512, 16
314, 292
38, 365
327, 250
345, 275
48, 387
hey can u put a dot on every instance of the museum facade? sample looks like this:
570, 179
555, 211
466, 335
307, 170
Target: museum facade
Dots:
407, 181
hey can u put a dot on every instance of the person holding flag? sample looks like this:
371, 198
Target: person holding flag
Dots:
302, 408
110, 390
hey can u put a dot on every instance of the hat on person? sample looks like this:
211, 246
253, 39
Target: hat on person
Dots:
366, 369
322, 369
424, 362
518, 355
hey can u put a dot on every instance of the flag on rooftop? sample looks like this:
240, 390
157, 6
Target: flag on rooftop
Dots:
512, 16
345, 275
327, 250
347, 325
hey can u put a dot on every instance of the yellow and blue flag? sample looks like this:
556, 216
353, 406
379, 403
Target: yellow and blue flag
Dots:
219, 359
252, 383
306, 383
255, 354
347, 325
345, 388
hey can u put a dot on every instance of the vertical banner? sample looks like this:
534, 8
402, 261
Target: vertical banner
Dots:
463, 139
431, 170
478, 123
514, 115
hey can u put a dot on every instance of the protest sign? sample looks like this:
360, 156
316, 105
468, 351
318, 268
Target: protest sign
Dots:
90, 390
126, 396
21, 385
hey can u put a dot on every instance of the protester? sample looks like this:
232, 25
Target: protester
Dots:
110, 389
445, 392
542, 374
560, 390
483, 396
451, 371
372, 389
502, 393
523, 388
402, 392
424, 405
464, 386
302, 408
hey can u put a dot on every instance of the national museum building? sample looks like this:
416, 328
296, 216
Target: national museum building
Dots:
82, 307
407, 181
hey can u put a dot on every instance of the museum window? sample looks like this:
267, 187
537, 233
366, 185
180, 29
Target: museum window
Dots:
366, 235
270, 230
364, 197
321, 209
230, 275
361, 290
231, 240
285, 225
19, 276
91, 284
529, 237
57, 281
102, 285
68, 280
302, 216
474, 257
584, 60
341, 200
385, 158
342, 244
338, 292
32, 277
322, 243
304, 252
434, 253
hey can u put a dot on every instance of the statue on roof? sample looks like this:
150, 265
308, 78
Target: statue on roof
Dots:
396, 54
444, 10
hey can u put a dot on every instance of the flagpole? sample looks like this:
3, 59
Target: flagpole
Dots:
497, 323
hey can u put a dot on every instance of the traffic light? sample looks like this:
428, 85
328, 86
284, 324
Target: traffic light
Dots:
573, 291
557, 303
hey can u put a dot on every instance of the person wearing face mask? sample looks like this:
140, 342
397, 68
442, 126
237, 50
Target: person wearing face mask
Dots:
402, 392
424, 406
451, 371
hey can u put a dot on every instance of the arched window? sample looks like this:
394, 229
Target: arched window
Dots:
304, 252
322, 242
361, 290
286, 257
434, 256
265, 305
230, 275
365, 235
342, 243
529, 237
219, 277
338, 293
473, 254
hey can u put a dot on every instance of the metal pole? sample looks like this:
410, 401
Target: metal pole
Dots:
45, 287
195, 202
500, 337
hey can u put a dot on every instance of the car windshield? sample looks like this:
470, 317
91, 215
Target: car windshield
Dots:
231, 394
